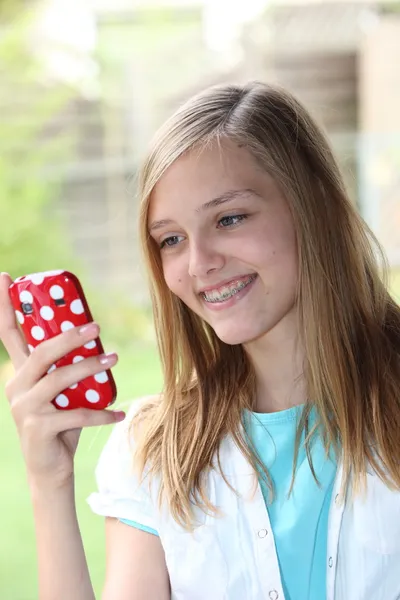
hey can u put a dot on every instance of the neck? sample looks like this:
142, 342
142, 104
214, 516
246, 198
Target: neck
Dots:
277, 358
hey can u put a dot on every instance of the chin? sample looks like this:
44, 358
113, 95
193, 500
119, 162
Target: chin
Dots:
234, 336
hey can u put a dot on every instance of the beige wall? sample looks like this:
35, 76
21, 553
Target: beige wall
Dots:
379, 78
379, 120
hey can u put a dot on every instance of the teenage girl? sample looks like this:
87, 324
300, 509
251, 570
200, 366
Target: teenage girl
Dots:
269, 466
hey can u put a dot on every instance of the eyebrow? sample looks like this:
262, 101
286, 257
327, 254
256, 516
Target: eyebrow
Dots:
217, 201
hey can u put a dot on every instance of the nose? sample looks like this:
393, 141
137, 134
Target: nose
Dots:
204, 257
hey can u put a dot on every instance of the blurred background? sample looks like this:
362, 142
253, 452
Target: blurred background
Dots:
83, 86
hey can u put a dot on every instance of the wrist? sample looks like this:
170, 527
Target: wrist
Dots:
44, 489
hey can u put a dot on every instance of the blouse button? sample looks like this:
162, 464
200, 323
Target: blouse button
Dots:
330, 562
262, 533
274, 595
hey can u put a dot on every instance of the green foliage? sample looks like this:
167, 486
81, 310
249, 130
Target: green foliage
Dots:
32, 239
137, 374
11, 9
395, 283
390, 8
122, 323
30, 236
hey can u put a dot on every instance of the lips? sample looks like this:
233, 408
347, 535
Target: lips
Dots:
228, 282
230, 295
228, 292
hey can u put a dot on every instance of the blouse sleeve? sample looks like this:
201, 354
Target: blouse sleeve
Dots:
120, 493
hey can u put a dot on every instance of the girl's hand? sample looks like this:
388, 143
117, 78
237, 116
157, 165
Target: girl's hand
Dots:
48, 436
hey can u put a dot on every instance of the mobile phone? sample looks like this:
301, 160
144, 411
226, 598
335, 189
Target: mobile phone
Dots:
47, 304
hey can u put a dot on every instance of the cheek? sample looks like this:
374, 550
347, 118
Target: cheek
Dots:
284, 268
174, 278
275, 252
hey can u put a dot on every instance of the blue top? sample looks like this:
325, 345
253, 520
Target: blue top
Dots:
300, 522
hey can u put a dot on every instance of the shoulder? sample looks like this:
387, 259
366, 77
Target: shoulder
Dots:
123, 438
141, 407
116, 465
122, 492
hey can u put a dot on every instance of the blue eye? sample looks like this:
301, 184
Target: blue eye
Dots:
225, 223
231, 220
168, 242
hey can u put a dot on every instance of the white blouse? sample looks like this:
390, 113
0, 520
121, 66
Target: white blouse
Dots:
233, 557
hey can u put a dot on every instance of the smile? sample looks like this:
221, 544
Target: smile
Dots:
226, 292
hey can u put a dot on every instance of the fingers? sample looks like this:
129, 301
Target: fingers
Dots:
60, 379
80, 418
36, 402
38, 428
47, 388
49, 352
10, 334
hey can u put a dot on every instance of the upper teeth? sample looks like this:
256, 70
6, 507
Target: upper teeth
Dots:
225, 292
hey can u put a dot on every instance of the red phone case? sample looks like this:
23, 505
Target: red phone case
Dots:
47, 304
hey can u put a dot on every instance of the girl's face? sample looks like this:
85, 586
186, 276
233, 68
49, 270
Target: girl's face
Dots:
227, 241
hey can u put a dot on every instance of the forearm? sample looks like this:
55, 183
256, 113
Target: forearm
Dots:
62, 566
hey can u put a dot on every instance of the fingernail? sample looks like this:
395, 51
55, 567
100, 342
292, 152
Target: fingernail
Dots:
89, 329
108, 359
119, 415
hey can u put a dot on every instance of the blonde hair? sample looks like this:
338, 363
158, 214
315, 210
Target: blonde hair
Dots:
348, 322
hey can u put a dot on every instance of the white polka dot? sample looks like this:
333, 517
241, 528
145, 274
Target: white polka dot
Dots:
77, 359
90, 345
62, 400
37, 278
73, 386
26, 296
101, 377
20, 316
77, 307
65, 325
92, 396
37, 333
56, 292
52, 368
47, 313
48, 273
30, 348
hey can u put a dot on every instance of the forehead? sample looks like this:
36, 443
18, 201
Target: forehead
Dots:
199, 175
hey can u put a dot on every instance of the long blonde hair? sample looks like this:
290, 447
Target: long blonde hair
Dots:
348, 322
